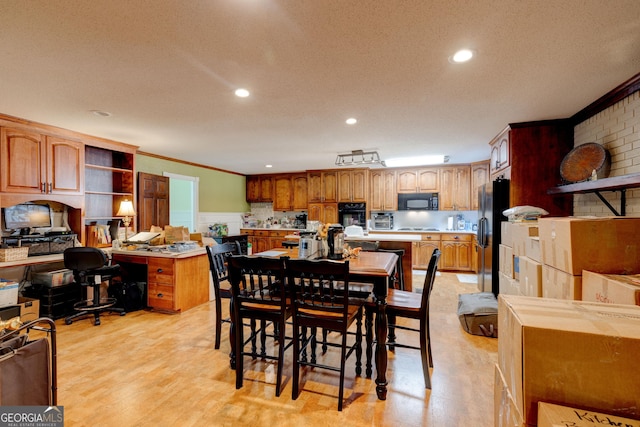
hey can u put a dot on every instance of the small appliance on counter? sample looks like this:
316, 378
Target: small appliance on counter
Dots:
335, 241
300, 221
383, 221
308, 247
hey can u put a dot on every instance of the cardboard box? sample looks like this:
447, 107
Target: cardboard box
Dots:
506, 235
532, 249
550, 415
505, 411
8, 292
611, 288
579, 353
505, 262
603, 245
52, 279
29, 309
522, 232
560, 285
508, 285
530, 277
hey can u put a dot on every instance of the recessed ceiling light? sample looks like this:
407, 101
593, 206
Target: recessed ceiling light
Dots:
268, 166
242, 93
462, 55
101, 113
351, 121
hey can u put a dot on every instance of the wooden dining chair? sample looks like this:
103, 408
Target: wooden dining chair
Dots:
397, 280
218, 255
319, 292
258, 294
412, 305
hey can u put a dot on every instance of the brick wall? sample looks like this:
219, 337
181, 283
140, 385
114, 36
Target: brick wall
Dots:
618, 129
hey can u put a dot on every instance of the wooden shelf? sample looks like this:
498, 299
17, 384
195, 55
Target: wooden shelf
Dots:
616, 183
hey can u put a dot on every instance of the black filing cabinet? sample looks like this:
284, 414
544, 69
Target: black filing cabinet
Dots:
55, 302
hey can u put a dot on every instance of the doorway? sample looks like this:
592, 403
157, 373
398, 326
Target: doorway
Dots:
183, 200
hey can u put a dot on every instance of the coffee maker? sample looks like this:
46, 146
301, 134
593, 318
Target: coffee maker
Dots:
335, 241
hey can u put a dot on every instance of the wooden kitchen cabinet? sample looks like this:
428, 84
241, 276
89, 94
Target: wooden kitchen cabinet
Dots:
300, 190
322, 186
550, 140
424, 180
324, 212
456, 252
353, 185
153, 201
383, 193
276, 237
290, 192
33, 163
500, 154
455, 182
259, 188
423, 250
479, 177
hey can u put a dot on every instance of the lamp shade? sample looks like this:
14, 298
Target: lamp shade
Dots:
126, 209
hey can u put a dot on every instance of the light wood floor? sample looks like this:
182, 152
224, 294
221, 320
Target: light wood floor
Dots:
152, 369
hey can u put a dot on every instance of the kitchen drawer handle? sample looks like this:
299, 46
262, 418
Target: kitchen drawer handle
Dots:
160, 295
159, 270
456, 237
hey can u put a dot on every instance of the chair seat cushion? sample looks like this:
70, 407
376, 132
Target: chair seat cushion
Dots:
403, 299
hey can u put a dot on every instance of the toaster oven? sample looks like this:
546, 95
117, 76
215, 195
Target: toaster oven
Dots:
383, 221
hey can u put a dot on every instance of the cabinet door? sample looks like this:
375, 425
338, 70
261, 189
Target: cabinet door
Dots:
266, 189
283, 193
454, 188
330, 187
359, 185
253, 189
261, 244
407, 181
479, 176
65, 161
390, 197
23, 162
315, 211
376, 194
345, 186
330, 215
422, 252
314, 187
299, 184
448, 260
464, 256
428, 180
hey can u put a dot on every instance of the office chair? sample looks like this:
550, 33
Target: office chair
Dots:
90, 269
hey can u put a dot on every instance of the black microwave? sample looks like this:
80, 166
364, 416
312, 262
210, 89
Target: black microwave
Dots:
418, 202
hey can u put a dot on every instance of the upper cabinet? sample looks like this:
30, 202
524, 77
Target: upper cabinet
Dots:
424, 180
259, 188
454, 188
322, 186
300, 190
535, 151
37, 164
500, 154
383, 195
353, 185
479, 176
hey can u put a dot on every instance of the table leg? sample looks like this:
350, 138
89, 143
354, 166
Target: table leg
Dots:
369, 340
381, 348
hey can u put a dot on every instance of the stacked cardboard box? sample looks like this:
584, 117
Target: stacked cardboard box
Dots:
611, 288
570, 245
574, 353
550, 415
520, 268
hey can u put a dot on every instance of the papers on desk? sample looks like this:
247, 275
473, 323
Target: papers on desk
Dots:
271, 253
143, 237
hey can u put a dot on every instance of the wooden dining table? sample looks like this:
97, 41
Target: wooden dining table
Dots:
375, 268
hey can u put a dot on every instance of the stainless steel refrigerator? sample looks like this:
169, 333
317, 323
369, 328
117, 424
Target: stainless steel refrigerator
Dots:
493, 199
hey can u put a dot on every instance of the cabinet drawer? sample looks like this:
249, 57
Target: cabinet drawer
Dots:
160, 296
278, 233
133, 259
457, 237
431, 236
160, 271
261, 233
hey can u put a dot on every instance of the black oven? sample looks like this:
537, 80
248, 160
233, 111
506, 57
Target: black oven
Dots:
352, 214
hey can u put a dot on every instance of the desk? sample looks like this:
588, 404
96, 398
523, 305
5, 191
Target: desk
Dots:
175, 281
375, 268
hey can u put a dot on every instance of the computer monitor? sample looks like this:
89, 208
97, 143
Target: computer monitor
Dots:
27, 215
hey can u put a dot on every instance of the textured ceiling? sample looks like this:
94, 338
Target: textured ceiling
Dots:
166, 70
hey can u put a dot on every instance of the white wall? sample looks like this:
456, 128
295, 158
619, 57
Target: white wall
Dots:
618, 129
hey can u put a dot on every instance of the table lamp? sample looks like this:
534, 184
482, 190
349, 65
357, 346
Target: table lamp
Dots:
126, 211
